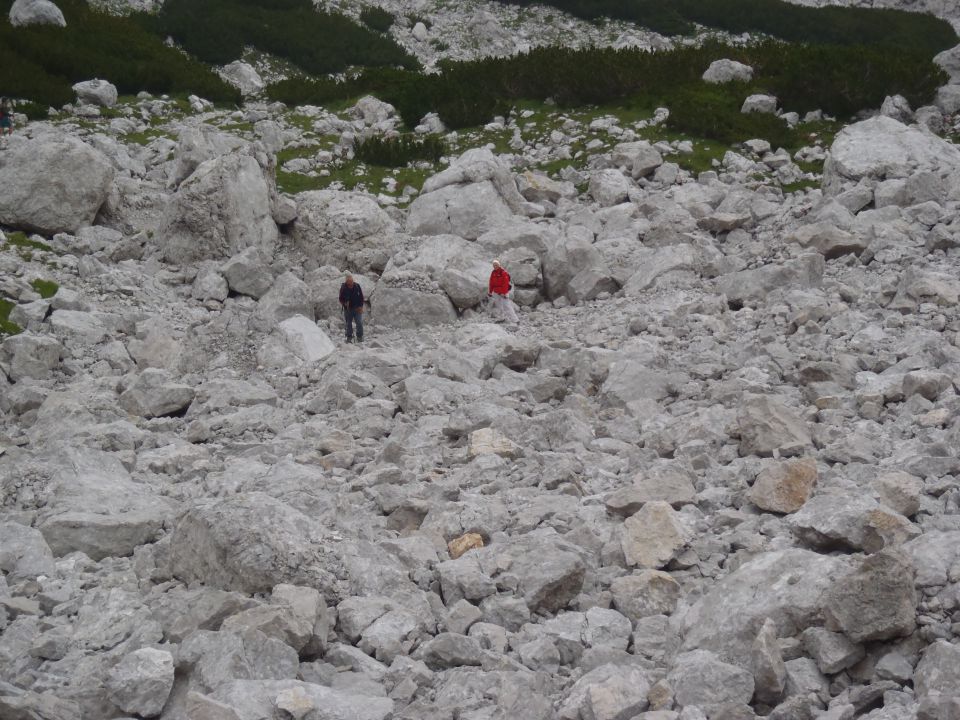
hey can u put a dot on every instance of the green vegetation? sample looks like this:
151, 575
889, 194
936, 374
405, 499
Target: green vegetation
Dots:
42, 62
19, 239
7, 327
840, 80
398, 151
376, 19
46, 288
828, 25
218, 31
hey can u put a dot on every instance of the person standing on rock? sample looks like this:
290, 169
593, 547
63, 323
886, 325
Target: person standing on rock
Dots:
351, 300
499, 287
6, 117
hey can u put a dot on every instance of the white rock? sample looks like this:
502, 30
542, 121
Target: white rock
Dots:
36, 12
304, 339
53, 183
760, 104
243, 77
724, 71
141, 682
96, 92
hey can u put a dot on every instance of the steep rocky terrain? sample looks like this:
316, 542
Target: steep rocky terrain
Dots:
711, 473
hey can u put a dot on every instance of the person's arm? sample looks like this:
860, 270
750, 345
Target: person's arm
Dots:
362, 299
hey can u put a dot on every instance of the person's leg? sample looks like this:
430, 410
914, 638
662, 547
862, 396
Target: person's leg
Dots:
358, 317
348, 323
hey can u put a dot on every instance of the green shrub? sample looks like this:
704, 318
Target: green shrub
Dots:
45, 288
42, 62
376, 19
705, 111
784, 20
840, 80
400, 150
7, 327
218, 31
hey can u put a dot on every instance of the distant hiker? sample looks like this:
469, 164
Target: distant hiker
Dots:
6, 117
500, 285
351, 300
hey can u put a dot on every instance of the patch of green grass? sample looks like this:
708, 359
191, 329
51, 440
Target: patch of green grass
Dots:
46, 288
7, 327
146, 137
238, 127
294, 183
799, 185
293, 153
810, 167
19, 239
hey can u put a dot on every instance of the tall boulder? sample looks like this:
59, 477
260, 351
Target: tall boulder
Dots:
222, 208
52, 183
476, 193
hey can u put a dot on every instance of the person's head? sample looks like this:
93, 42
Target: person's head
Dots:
349, 280
496, 264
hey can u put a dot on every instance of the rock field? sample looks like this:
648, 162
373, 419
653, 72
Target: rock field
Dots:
714, 472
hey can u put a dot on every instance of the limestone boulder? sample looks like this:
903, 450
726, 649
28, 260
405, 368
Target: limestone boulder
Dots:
768, 426
882, 148
409, 307
54, 183
36, 12
700, 678
141, 682
787, 586
853, 521
251, 542
243, 77
31, 356
155, 394
24, 554
724, 71
222, 208
875, 600
653, 536
938, 672
783, 487
475, 194
96, 92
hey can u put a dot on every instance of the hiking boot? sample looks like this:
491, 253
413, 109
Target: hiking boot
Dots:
360, 339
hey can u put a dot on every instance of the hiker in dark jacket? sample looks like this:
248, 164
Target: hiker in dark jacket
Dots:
351, 300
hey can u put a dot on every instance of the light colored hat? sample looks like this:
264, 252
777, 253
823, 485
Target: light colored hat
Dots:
496, 262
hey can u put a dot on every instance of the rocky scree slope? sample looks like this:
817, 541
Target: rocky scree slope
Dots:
713, 474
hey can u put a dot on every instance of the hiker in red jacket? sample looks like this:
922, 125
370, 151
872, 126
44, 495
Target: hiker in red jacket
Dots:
499, 287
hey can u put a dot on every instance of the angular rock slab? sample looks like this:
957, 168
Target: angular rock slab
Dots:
768, 426
786, 586
141, 682
52, 183
875, 601
154, 394
303, 338
653, 536
249, 543
702, 679
785, 486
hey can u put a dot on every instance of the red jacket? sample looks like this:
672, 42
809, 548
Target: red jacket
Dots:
499, 281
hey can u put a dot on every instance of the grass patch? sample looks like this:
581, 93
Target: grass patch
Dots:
20, 240
146, 137
7, 327
799, 185
45, 288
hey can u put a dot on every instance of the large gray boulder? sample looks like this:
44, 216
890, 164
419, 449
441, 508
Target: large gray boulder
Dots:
256, 699
475, 194
768, 426
243, 77
141, 682
409, 307
882, 148
786, 586
155, 394
724, 71
222, 208
344, 229
938, 671
249, 543
702, 679
24, 554
96, 92
876, 600
30, 356
53, 183
36, 12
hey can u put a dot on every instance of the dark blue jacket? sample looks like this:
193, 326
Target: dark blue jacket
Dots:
353, 296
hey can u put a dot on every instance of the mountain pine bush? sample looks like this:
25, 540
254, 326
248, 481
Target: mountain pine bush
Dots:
400, 150
43, 62
218, 31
